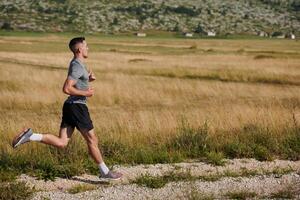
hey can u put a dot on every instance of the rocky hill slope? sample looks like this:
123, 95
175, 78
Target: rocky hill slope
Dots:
199, 16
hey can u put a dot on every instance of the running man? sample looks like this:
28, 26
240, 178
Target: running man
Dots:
75, 111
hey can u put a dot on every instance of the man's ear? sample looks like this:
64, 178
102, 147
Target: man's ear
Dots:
78, 48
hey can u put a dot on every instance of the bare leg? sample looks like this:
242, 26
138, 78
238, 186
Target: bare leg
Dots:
61, 141
92, 142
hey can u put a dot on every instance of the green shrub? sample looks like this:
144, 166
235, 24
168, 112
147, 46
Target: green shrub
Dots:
151, 155
291, 144
191, 141
46, 171
112, 148
151, 181
236, 149
215, 158
81, 188
253, 141
261, 153
7, 175
15, 190
161, 181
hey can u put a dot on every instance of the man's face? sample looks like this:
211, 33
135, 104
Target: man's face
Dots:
83, 49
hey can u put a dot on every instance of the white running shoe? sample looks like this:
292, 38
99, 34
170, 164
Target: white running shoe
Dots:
22, 138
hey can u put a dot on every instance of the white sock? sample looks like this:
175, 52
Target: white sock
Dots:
36, 137
103, 168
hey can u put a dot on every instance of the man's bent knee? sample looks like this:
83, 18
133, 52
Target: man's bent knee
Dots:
63, 144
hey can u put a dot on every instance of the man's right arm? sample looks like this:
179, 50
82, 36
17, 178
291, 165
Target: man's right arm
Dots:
70, 89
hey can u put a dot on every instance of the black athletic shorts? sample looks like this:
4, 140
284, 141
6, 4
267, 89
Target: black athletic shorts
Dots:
76, 115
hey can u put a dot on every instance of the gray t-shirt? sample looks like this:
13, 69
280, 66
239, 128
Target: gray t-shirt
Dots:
78, 72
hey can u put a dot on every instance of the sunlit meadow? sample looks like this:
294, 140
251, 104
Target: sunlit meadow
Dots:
156, 100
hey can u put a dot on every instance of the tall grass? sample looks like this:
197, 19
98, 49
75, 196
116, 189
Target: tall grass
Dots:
155, 106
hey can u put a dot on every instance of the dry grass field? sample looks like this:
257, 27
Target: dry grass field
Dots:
156, 99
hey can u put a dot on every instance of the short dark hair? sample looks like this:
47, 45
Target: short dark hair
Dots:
74, 42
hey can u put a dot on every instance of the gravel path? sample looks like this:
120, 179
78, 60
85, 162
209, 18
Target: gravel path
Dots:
246, 177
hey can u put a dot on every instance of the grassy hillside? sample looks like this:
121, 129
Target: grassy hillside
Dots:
201, 16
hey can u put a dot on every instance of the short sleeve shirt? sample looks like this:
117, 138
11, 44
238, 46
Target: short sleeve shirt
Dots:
78, 72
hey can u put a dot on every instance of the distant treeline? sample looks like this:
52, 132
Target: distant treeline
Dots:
202, 16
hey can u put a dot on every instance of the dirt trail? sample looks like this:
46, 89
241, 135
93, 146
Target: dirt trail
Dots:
243, 177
